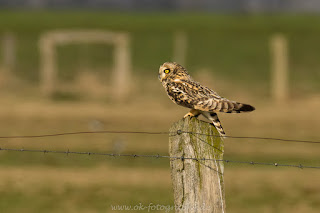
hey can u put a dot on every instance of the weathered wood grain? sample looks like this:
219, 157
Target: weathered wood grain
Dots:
197, 184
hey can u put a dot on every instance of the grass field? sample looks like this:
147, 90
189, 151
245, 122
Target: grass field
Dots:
234, 47
228, 53
79, 183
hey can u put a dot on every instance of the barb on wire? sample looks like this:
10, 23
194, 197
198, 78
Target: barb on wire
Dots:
157, 156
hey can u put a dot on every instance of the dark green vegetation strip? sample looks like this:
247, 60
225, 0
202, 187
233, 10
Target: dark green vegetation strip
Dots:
236, 47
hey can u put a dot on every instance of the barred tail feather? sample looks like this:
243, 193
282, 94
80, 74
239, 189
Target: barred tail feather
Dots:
234, 107
246, 108
213, 117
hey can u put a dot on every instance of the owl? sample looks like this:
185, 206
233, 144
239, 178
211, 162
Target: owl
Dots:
186, 92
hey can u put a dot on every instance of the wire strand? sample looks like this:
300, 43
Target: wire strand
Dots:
259, 138
157, 156
171, 134
81, 133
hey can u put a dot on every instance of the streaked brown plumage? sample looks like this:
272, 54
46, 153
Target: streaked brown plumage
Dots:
184, 91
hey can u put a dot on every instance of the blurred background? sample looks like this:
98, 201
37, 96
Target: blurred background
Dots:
69, 66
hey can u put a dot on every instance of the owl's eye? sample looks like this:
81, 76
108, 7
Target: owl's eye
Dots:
166, 71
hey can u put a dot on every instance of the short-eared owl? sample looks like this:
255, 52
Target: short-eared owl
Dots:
184, 91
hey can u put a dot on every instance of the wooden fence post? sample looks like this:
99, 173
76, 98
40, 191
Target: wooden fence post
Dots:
197, 184
279, 68
180, 45
9, 51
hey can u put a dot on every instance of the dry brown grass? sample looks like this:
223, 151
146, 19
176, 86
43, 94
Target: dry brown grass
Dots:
248, 188
269, 120
25, 178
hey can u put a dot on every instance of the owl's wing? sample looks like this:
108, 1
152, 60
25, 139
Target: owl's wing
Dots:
181, 94
193, 95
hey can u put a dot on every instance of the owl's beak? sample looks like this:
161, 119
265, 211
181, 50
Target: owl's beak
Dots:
159, 77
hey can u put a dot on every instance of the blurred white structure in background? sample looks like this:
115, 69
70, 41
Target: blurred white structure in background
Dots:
122, 58
279, 68
180, 47
8, 51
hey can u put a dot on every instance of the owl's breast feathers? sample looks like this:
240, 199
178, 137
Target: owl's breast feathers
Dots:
191, 94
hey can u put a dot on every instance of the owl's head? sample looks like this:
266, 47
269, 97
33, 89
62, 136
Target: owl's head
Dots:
172, 70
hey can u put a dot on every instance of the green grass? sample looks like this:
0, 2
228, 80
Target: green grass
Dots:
234, 47
93, 198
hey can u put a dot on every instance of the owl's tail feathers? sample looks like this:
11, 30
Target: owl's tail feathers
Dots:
222, 105
234, 107
213, 117
245, 107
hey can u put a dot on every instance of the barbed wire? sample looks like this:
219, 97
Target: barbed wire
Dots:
171, 134
157, 156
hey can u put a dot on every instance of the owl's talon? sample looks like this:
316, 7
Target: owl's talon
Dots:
192, 113
188, 115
